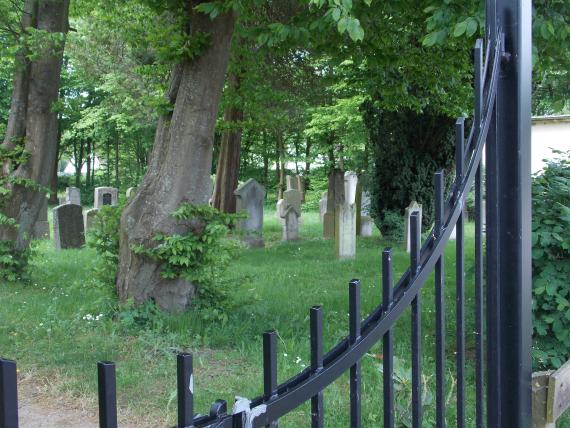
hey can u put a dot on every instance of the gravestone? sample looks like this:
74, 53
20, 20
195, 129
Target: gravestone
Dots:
73, 196
292, 198
291, 224
345, 219
62, 200
323, 207
292, 182
88, 217
413, 207
131, 192
68, 229
335, 196
366, 226
250, 197
105, 196
41, 228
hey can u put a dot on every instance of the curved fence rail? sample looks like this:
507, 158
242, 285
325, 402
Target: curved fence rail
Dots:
425, 260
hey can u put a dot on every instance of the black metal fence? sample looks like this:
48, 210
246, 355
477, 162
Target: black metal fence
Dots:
502, 282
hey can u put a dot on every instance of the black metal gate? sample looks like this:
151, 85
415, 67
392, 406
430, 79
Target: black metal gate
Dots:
501, 133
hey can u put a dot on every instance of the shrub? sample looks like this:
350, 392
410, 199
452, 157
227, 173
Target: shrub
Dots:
551, 263
103, 236
409, 147
199, 256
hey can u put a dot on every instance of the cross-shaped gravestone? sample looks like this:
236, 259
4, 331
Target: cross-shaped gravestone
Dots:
250, 197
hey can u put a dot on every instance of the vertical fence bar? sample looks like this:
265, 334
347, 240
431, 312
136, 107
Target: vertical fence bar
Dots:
388, 340
492, 248
439, 307
317, 405
478, 303
185, 389
478, 54
354, 335
508, 219
459, 275
107, 394
270, 368
8, 394
415, 228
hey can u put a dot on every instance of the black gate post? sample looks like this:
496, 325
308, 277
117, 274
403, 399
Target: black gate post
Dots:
509, 281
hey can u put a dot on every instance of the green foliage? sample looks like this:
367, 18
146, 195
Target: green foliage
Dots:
103, 236
551, 263
13, 261
199, 256
403, 396
408, 149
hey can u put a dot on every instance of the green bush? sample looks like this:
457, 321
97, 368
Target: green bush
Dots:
408, 147
199, 256
551, 263
103, 236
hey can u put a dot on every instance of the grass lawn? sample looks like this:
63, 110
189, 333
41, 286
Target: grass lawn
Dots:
45, 325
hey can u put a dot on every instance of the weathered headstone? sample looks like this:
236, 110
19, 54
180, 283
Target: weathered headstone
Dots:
41, 228
88, 217
131, 192
292, 198
292, 182
345, 219
73, 196
68, 229
323, 207
364, 223
105, 196
291, 225
335, 196
250, 197
414, 206
366, 226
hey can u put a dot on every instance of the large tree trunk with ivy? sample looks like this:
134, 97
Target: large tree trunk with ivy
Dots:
227, 173
179, 168
32, 123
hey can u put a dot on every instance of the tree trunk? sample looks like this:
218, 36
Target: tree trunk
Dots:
32, 119
227, 173
179, 168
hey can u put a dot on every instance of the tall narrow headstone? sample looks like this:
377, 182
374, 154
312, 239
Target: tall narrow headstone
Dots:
291, 182
68, 229
413, 207
335, 196
250, 197
280, 209
366, 223
105, 196
345, 219
323, 207
73, 196
291, 225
